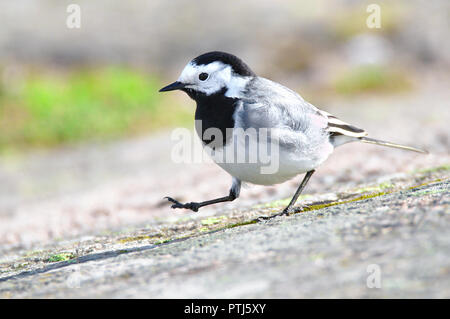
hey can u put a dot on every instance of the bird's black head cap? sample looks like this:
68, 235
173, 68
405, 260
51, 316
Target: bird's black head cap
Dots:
238, 66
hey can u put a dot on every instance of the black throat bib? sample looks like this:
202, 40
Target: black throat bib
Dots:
214, 111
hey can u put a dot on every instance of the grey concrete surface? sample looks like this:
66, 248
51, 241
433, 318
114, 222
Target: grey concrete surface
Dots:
320, 253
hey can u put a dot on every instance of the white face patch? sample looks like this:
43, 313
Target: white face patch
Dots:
220, 75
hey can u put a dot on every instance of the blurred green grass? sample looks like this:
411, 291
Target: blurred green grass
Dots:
94, 104
371, 78
42, 109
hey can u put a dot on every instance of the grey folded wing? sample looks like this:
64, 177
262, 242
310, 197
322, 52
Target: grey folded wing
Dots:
269, 105
296, 122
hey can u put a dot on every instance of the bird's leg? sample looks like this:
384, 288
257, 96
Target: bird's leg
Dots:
194, 206
305, 180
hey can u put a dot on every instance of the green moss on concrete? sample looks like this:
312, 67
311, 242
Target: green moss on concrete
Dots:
61, 257
441, 168
374, 188
280, 202
213, 220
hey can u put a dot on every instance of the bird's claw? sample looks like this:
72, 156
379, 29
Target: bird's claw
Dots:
294, 209
176, 204
286, 212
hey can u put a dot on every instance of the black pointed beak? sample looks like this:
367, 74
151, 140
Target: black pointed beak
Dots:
174, 86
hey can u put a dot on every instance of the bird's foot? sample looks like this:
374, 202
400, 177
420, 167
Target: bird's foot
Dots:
286, 212
289, 210
176, 204
266, 218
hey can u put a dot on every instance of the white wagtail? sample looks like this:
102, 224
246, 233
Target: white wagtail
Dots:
230, 96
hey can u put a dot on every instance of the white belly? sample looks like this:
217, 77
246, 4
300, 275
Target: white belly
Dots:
268, 168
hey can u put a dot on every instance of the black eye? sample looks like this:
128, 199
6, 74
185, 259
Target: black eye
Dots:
203, 76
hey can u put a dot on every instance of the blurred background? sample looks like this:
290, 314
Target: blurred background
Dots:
85, 136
